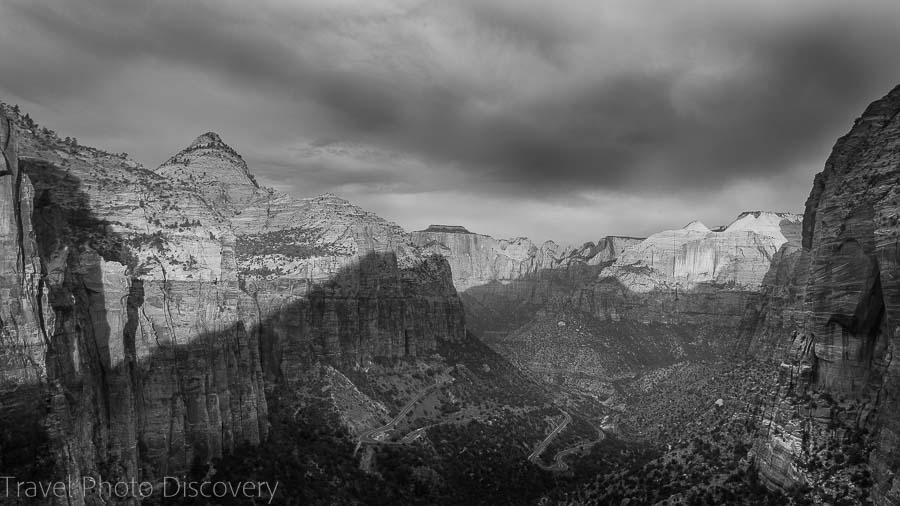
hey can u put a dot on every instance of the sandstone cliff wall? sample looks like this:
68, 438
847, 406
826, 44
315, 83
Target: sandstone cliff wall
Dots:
478, 260
695, 280
143, 319
505, 282
831, 317
738, 255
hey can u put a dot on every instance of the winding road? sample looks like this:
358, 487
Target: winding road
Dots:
559, 464
549, 439
377, 435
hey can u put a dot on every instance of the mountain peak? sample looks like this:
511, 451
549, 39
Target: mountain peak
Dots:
762, 220
330, 198
213, 168
770, 215
207, 139
696, 225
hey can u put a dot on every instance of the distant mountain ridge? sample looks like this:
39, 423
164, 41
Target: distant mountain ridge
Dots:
478, 259
738, 254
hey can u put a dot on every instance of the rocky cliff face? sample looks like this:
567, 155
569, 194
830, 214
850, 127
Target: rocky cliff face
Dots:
590, 315
478, 260
694, 279
831, 317
213, 169
145, 315
738, 255
504, 282
585, 318
23, 344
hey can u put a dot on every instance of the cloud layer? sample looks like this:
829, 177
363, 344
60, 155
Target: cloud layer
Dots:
580, 118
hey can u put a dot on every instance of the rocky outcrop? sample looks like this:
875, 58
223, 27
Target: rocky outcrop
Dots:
478, 260
213, 169
693, 279
606, 250
23, 345
833, 321
738, 255
147, 315
777, 312
586, 317
505, 282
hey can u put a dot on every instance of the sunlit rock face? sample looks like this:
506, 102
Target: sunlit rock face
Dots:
738, 255
213, 169
147, 315
23, 346
504, 282
478, 260
833, 321
677, 295
693, 282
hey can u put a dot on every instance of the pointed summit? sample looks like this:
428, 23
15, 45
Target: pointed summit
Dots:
213, 142
784, 226
696, 226
213, 169
207, 139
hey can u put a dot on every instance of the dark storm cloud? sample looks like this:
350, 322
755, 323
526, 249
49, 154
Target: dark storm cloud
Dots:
547, 100
793, 85
108, 33
611, 129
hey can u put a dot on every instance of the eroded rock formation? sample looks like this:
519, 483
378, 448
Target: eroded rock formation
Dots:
145, 315
693, 282
832, 317
478, 260
738, 255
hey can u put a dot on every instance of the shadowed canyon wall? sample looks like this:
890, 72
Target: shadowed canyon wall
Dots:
831, 312
144, 316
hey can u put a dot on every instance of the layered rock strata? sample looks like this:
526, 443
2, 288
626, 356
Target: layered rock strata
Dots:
637, 303
738, 255
832, 319
478, 260
505, 282
145, 315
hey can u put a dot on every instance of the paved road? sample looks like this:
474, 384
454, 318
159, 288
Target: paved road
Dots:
560, 465
549, 439
377, 435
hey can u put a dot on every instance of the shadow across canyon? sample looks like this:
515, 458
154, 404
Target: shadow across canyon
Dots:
130, 394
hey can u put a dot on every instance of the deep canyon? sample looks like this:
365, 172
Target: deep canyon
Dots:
184, 320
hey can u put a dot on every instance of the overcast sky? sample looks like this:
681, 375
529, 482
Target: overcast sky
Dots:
565, 120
